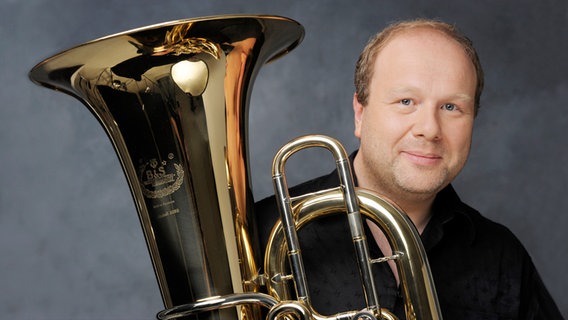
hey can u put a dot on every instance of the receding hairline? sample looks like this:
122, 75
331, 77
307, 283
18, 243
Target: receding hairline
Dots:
365, 65
413, 28
408, 26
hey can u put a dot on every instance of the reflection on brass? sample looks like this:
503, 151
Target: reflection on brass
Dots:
173, 99
177, 45
191, 76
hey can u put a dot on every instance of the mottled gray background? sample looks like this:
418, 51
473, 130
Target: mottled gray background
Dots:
70, 243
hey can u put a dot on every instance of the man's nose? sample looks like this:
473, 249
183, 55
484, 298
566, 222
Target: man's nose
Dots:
427, 123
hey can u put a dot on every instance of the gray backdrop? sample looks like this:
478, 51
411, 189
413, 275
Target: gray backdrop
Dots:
70, 242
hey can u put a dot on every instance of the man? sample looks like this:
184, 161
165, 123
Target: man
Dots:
418, 85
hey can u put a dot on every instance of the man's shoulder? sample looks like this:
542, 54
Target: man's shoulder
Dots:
489, 231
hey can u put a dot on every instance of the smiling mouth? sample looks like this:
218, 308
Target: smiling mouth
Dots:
424, 159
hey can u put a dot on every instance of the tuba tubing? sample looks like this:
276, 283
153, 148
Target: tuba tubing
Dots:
417, 285
351, 208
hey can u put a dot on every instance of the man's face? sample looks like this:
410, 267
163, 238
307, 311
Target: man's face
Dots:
416, 129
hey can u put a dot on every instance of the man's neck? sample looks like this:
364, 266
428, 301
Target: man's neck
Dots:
418, 210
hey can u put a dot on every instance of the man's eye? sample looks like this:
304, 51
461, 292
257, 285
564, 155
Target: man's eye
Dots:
449, 106
406, 102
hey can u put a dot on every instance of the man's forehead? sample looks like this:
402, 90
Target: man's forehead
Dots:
418, 34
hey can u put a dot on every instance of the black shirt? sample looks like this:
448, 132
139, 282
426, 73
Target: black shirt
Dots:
480, 269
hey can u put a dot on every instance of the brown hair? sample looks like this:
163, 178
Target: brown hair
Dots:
365, 64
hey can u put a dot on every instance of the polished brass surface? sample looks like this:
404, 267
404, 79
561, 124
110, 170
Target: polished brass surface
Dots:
173, 99
283, 249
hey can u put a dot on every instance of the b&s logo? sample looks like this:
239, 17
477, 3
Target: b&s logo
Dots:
160, 178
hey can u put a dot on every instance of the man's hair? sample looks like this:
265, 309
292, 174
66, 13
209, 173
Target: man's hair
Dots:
365, 65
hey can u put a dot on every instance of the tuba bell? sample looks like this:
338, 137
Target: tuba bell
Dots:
173, 99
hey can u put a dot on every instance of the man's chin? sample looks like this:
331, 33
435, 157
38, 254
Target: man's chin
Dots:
425, 186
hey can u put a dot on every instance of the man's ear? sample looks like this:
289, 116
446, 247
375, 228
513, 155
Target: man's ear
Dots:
358, 110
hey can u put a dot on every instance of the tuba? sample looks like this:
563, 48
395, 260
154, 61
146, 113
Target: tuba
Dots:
173, 99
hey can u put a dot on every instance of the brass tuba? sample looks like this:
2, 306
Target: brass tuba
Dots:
173, 99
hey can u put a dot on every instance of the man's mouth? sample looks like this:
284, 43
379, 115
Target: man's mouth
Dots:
422, 158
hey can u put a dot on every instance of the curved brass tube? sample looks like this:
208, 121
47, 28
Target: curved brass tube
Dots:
416, 281
217, 303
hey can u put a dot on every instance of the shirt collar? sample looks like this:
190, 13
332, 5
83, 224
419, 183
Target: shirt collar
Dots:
449, 213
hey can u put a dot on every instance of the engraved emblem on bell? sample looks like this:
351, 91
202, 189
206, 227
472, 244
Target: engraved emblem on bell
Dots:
160, 177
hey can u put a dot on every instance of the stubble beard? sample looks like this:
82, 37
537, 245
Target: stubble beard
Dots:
396, 179
418, 181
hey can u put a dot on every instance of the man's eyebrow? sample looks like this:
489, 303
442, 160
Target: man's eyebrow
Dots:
402, 90
410, 89
462, 96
